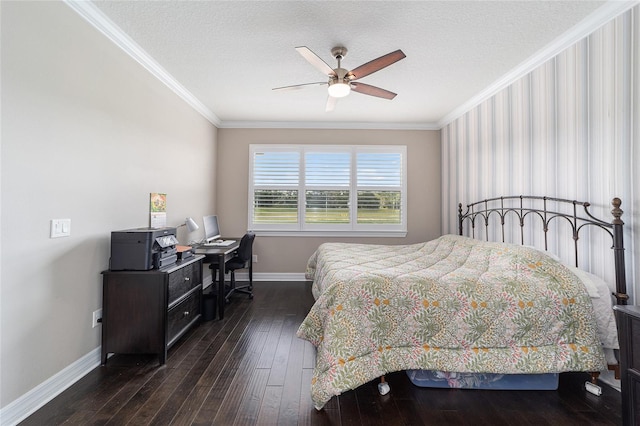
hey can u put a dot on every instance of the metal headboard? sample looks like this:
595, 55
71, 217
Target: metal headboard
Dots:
501, 206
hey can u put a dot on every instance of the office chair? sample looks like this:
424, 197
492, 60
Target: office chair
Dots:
242, 260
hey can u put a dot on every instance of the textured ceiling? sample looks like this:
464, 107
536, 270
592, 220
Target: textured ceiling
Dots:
230, 54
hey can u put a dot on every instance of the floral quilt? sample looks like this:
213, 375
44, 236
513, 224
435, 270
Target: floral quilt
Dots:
452, 304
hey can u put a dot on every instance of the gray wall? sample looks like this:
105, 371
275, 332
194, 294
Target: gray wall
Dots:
87, 134
290, 254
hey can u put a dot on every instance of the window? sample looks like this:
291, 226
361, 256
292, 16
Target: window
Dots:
327, 190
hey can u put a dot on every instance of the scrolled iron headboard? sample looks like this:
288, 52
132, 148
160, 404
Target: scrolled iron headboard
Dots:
502, 206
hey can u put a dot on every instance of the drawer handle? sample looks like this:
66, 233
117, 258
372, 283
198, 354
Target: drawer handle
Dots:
187, 278
186, 313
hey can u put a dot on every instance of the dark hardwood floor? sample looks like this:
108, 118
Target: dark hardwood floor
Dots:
251, 369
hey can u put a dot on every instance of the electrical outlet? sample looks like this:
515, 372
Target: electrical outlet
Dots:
255, 258
97, 318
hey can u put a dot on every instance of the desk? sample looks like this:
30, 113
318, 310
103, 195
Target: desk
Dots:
219, 256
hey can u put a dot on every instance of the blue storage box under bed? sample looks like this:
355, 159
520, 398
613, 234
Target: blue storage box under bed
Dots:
441, 379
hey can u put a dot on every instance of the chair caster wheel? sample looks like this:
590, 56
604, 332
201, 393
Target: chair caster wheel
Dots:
251, 296
384, 388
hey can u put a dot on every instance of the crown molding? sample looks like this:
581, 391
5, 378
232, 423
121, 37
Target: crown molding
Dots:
591, 23
106, 26
102, 23
94, 16
351, 125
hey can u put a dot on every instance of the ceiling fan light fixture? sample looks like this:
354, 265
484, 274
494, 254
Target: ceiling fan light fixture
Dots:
341, 80
339, 89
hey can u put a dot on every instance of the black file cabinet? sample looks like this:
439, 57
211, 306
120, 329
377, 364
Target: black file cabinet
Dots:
148, 311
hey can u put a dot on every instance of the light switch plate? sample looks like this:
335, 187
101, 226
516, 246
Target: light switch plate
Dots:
60, 228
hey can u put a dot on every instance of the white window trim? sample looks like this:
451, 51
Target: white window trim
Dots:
333, 230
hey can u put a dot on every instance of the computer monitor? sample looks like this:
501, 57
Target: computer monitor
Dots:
211, 228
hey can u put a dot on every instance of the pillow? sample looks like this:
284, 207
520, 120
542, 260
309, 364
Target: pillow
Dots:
596, 286
591, 282
601, 299
548, 253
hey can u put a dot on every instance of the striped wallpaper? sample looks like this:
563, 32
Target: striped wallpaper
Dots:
566, 130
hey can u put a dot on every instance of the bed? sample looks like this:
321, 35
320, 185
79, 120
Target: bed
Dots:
458, 304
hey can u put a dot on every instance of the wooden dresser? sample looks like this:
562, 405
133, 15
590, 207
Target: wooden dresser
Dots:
148, 311
628, 319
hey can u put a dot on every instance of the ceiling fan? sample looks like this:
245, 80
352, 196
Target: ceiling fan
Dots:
341, 81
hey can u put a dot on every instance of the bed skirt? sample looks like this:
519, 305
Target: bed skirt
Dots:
440, 379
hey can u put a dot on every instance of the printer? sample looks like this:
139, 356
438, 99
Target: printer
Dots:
142, 249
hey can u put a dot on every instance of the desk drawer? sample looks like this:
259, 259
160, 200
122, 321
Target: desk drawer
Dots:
181, 316
183, 280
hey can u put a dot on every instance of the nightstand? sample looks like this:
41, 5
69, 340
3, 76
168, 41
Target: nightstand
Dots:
628, 320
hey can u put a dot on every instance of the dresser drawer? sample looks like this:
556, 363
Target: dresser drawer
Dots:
147, 311
181, 316
183, 280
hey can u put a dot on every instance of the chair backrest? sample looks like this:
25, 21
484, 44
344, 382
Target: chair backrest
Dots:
246, 244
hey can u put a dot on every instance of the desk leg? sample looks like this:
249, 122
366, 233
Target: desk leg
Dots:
221, 295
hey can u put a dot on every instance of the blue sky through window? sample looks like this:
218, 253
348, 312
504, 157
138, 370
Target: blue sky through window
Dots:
379, 169
274, 168
328, 169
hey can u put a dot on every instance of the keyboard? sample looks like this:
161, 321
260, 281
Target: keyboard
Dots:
220, 243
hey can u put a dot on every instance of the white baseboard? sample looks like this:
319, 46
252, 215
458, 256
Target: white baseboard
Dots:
28, 403
272, 276
265, 276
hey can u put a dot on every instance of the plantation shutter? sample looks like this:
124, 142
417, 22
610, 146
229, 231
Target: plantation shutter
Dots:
380, 187
327, 182
321, 190
276, 177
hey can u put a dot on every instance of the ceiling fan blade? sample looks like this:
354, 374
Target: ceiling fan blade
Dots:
367, 89
376, 65
315, 60
331, 103
300, 86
